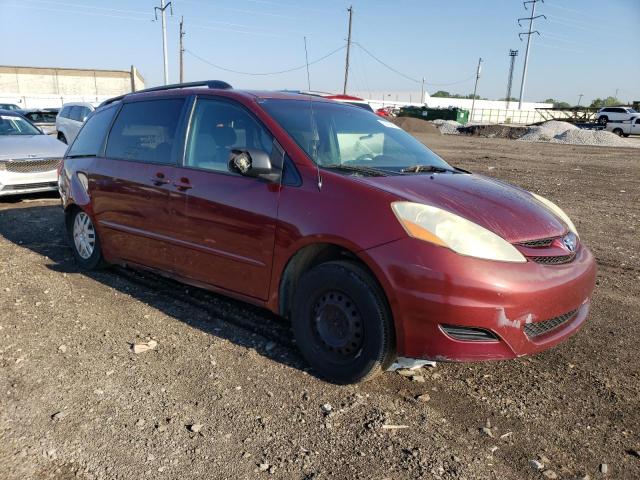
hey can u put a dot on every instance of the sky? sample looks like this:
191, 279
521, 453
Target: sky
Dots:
589, 47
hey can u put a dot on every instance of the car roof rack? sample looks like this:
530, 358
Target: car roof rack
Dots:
218, 84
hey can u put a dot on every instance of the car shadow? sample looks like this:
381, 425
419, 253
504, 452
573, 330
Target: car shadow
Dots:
40, 228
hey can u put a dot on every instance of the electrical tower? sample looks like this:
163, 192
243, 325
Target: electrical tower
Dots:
475, 89
346, 66
182, 32
512, 54
162, 9
528, 34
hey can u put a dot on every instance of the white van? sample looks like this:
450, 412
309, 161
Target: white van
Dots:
70, 120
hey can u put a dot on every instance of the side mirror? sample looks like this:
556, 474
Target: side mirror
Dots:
251, 163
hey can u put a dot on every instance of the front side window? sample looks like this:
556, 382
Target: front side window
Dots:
217, 128
89, 141
14, 125
337, 135
145, 131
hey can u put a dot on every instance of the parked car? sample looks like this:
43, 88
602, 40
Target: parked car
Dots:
70, 120
375, 248
29, 159
624, 128
9, 106
608, 114
43, 119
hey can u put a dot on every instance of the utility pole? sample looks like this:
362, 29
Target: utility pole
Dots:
181, 50
162, 9
512, 54
528, 34
422, 92
346, 67
475, 89
580, 98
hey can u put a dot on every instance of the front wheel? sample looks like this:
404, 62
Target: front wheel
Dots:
603, 120
342, 324
84, 240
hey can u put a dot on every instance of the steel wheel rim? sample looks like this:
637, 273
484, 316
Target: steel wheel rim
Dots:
84, 235
338, 325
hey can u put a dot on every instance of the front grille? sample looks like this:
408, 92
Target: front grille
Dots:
32, 166
26, 186
542, 243
554, 259
539, 328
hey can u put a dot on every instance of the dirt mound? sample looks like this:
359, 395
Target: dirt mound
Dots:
415, 125
494, 131
592, 137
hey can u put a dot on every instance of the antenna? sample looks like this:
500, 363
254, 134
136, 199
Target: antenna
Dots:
314, 129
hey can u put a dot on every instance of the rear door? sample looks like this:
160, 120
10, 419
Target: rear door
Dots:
227, 221
130, 187
635, 126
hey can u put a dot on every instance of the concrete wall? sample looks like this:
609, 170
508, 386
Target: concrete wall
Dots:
33, 87
413, 98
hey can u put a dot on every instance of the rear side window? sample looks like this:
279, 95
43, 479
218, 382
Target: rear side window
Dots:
89, 141
64, 113
146, 131
74, 113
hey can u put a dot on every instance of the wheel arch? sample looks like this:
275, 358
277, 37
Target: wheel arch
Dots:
313, 254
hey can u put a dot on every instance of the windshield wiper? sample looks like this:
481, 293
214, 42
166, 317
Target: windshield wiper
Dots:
357, 168
426, 168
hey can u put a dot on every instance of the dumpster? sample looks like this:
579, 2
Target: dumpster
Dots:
425, 113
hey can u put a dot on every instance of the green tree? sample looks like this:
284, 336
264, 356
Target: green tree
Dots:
441, 94
606, 102
557, 103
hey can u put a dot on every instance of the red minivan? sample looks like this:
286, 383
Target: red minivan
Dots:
375, 248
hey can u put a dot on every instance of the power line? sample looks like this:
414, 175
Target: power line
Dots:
407, 76
333, 52
162, 9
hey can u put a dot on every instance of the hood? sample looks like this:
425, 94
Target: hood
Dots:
508, 211
22, 147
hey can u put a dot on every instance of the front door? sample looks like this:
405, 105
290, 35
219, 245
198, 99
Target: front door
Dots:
227, 221
130, 188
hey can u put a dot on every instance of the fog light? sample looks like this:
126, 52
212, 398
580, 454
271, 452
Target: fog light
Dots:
469, 334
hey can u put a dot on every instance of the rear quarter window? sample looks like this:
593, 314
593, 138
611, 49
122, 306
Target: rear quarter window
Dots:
146, 131
91, 138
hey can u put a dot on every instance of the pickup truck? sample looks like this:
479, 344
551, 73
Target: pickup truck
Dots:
624, 128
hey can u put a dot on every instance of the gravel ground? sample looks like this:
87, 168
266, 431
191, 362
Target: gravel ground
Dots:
223, 394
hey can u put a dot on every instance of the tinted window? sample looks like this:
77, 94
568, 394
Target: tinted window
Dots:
217, 127
41, 117
15, 125
74, 113
145, 131
64, 113
90, 139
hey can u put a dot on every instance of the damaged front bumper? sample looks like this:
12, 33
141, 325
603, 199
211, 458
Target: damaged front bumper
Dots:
448, 307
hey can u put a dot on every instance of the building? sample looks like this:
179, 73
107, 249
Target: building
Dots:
42, 87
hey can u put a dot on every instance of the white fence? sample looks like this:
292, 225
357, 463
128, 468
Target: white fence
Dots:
50, 101
523, 117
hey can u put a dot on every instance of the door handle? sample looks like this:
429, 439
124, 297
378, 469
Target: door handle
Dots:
160, 179
183, 184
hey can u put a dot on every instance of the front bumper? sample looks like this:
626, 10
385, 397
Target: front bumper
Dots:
12, 183
430, 286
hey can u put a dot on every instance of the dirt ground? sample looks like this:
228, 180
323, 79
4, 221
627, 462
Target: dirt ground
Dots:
225, 395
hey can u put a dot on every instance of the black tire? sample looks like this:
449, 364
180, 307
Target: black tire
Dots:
625, 135
617, 131
603, 119
342, 323
94, 261
62, 138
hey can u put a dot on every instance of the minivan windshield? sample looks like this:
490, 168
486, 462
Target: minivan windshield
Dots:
347, 137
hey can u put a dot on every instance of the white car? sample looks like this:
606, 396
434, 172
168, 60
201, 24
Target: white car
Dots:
29, 159
625, 128
71, 118
607, 114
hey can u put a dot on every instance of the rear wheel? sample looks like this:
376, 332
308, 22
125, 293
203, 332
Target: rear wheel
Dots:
84, 241
617, 131
625, 135
602, 120
342, 323
62, 138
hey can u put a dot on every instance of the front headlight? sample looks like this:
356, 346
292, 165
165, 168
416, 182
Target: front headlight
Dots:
440, 227
558, 212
